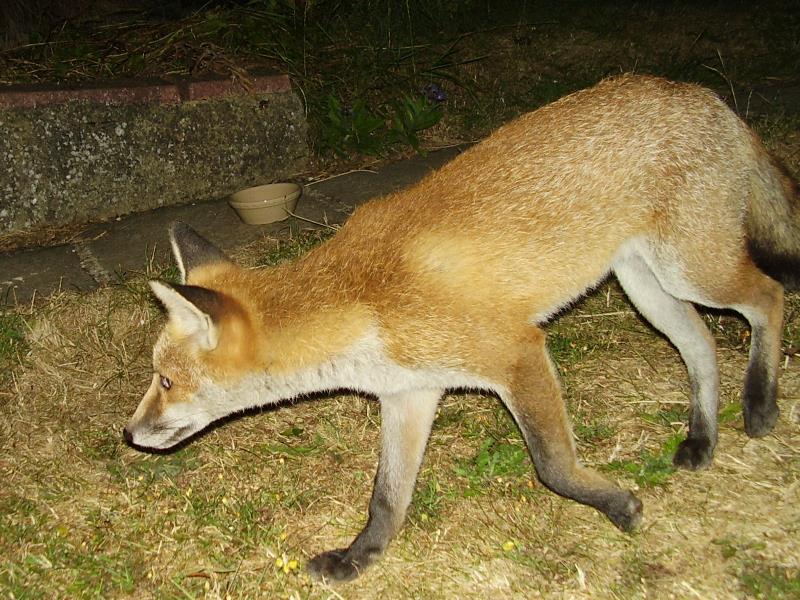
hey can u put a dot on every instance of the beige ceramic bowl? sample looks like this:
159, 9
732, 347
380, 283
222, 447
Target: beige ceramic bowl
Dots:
266, 203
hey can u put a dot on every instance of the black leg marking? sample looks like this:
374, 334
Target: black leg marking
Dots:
693, 454
626, 512
763, 309
333, 565
406, 421
759, 396
696, 451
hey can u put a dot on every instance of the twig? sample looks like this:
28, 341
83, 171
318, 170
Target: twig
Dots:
340, 175
615, 313
726, 78
296, 216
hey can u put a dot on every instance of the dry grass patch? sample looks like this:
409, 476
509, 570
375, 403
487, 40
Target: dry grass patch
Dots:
239, 511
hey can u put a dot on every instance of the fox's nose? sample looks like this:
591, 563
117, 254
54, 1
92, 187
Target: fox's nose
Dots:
127, 435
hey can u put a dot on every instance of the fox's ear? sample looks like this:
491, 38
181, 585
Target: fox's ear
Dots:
192, 250
194, 312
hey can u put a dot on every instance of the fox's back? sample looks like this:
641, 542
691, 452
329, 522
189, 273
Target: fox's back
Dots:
542, 206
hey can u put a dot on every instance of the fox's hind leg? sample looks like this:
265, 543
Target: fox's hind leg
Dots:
680, 322
406, 420
759, 299
534, 399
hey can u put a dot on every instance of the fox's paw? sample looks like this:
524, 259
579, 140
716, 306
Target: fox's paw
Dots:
333, 566
627, 512
693, 454
759, 419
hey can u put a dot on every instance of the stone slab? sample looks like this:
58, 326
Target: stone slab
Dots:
41, 272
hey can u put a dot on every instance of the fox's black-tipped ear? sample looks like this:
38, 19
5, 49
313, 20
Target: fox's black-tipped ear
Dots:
192, 250
193, 311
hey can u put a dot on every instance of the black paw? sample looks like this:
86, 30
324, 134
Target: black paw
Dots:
760, 419
693, 454
626, 513
333, 566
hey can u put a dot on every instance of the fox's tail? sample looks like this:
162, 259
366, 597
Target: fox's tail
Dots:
772, 224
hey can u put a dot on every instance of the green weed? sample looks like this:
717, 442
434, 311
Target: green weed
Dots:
770, 582
595, 430
730, 412
427, 502
20, 517
493, 459
355, 129
450, 416
92, 556
12, 339
667, 416
652, 468
102, 444
154, 468
289, 450
412, 115
569, 345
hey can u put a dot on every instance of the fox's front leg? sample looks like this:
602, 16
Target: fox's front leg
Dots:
534, 398
406, 421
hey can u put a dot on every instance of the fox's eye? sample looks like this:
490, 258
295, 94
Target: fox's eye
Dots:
166, 382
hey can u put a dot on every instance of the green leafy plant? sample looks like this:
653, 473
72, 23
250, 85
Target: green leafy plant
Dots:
352, 129
359, 129
412, 115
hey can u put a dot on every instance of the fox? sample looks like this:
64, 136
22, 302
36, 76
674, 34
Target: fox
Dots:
448, 284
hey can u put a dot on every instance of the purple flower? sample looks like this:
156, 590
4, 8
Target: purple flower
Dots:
434, 93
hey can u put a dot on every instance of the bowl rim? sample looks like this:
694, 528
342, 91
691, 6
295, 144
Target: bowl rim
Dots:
292, 191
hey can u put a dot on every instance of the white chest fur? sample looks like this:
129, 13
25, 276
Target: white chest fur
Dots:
364, 367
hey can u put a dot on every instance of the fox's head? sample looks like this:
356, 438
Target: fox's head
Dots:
204, 344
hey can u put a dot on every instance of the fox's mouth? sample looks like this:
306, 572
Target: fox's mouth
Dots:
157, 438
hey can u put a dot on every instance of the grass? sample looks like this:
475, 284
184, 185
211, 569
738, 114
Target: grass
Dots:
12, 339
495, 460
773, 583
282, 250
649, 468
239, 511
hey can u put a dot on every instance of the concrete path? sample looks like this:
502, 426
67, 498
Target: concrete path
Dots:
108, 251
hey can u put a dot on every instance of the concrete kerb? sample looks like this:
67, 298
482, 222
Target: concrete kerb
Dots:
33, 96
109, 251
85, 154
